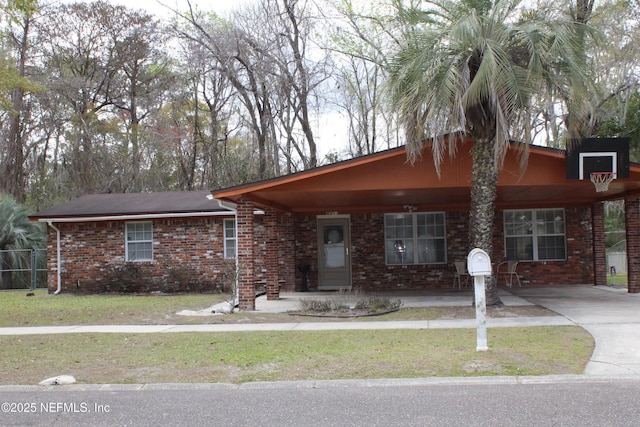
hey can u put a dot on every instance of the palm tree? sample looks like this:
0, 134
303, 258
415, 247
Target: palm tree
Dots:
16, 233
476, 66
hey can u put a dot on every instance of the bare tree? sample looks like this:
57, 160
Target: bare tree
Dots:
360, 38
211, 107
302, 67
245, 63
143, 73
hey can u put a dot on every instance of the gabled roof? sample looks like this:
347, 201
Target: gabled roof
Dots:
386, 181
113, 206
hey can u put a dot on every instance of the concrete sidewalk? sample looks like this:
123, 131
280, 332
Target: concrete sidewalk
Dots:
611, 315
302, 326
291, 302
428, 298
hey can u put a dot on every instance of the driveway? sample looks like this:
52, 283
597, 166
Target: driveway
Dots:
611, 315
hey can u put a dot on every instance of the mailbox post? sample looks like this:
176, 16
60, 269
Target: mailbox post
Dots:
479, 266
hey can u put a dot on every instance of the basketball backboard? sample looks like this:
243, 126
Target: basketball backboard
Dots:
593, 155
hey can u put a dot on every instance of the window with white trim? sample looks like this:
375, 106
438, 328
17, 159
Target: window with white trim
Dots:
230, 239
415, 238
139, 241
535, 235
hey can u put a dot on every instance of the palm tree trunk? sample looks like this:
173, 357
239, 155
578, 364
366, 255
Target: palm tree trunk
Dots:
484, 184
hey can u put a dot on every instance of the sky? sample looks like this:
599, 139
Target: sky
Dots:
221, 7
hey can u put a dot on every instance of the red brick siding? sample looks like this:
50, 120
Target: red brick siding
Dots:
90, 251
246, 249
599, 244
286, 251
369, 271
306, 247
189, 250
632, 209
271, 252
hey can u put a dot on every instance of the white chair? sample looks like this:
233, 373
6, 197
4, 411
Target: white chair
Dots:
461, 271
509, 272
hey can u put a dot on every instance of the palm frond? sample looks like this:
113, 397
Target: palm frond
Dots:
466, 67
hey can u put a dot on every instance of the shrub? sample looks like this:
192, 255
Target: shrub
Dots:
316, 306
377, 303
126, 278
131, 277
341, 303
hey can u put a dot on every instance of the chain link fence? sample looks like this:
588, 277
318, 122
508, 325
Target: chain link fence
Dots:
23, 269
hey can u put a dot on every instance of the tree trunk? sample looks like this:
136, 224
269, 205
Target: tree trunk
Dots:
13, 182
484, 183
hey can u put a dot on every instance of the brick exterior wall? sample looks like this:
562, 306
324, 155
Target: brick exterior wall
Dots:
188, 256
632, 210
271, 252
247, 245
286, 251
306, 247
370, 273
599, 245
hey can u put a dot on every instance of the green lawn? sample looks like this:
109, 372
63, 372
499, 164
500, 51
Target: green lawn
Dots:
237, 357
44, 309
618, 279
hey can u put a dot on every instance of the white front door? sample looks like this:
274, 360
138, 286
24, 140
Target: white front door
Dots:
334, 246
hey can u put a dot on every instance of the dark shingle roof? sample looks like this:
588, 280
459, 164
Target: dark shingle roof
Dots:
133, 204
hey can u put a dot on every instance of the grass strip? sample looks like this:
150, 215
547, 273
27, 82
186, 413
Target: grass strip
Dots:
238, 357
68, 309
43, 309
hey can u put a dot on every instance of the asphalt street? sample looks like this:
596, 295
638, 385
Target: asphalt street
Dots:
525, 401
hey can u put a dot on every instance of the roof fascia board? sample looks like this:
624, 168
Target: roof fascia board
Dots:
132, 217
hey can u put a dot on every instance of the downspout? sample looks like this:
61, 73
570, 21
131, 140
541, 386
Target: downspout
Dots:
232, 207
58, 257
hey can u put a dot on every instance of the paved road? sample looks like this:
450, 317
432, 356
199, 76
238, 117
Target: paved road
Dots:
526, 401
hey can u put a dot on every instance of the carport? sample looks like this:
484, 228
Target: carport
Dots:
271, 245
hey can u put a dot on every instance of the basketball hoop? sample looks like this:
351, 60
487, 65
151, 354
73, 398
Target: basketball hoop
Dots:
601, 180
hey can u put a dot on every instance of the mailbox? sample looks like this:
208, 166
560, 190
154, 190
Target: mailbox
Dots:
478, 263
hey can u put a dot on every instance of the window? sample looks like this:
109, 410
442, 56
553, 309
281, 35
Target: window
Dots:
415, 238
230, 238
535, 235
139, 237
